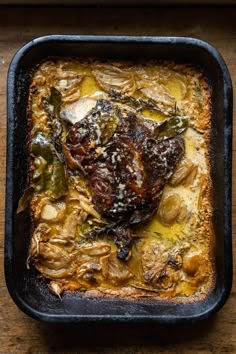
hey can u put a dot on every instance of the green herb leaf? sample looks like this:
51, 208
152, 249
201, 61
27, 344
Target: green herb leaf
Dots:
49, 175
40, 165
171, 127
41, 146
55, 101
57, 182
107, 127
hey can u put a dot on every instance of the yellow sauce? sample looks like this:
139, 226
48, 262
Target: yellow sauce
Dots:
88, 86
148, 113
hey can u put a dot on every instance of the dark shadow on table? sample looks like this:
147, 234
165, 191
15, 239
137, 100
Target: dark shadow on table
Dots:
128, 338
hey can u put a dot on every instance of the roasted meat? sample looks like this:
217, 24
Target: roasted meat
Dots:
127, 161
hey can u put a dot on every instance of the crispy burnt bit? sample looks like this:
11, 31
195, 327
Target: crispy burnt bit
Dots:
127, 172
122, 236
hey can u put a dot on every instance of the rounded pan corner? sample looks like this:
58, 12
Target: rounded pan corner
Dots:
216, 55
25, 308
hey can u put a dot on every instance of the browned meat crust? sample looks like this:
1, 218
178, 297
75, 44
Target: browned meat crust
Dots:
128, 170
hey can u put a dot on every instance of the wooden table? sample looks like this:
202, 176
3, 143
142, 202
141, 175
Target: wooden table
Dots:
21, 334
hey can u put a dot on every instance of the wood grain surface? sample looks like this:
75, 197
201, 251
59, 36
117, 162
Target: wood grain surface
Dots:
21, 334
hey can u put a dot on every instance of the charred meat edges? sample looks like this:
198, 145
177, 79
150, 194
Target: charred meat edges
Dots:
127, 161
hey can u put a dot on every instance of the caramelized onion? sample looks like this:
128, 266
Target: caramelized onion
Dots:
110, 77
114, 270
169, 208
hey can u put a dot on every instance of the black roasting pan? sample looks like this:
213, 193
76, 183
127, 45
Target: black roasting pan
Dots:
27, 289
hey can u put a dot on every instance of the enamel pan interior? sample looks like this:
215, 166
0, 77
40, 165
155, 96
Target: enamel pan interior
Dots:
27, 289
